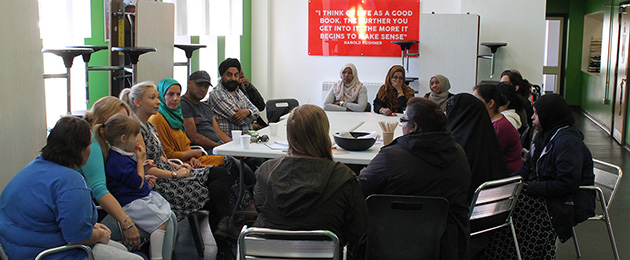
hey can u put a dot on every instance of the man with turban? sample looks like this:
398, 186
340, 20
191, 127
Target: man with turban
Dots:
232, 109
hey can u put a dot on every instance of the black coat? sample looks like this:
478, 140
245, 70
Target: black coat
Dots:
565, 164
306, 194
426, 164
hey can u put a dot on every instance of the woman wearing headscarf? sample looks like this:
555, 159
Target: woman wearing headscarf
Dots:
470, 124
169, 124
439, 86
393, 95
551, 203
558, 163
348, 94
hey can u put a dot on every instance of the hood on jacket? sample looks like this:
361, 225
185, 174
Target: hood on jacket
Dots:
436, 148
298, 185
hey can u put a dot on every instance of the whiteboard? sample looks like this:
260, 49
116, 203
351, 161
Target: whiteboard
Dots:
155, 27
448, 46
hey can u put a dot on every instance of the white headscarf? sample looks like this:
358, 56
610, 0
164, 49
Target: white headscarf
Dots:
348, 92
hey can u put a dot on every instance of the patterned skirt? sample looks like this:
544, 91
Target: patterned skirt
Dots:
534, 232
186, 195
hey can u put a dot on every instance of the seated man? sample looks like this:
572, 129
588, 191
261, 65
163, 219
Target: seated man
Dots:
201, 127
425, 161
254, 96
232, 108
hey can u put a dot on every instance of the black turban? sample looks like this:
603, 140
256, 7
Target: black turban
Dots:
228, 63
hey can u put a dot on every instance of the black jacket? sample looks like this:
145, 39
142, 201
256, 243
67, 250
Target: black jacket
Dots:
565, 164
305, 194
426, 164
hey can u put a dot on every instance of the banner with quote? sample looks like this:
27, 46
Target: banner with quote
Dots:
361, 27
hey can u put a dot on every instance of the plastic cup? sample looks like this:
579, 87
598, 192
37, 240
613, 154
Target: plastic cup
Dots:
387, 137
236, 136
245, 139
273, 128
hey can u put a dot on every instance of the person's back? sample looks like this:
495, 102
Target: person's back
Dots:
29, 216
425, 161
306, 189
306, 193
429, 164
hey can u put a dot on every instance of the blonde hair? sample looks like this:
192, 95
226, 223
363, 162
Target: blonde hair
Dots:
128, 95
307, 132
110, 131
104, 108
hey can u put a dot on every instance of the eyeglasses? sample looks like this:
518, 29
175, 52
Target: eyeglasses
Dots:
404, 120
398, 78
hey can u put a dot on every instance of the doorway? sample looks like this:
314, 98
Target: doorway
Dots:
620, 98
554, 54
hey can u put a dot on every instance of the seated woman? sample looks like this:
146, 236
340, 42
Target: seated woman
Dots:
48, 204
94, 173
513, 109
470, 125
507, 135
439, 86
393, 95
169, 124
551, 203
414, 164
306, 189
348, 94
186, 189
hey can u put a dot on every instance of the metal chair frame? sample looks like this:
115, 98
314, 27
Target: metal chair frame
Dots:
604, 181
497, 197
87, 249
266, 243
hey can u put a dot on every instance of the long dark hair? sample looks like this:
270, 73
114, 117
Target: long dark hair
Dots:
490, 92
66, 142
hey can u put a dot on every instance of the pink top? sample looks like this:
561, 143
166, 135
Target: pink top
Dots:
510, 142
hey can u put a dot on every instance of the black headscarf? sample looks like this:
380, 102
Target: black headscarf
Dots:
470, 124
553, 113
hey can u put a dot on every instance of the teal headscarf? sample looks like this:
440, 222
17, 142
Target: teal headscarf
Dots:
173, 116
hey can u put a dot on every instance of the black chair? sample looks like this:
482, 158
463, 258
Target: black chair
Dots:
279, 107
405, 227
368, 107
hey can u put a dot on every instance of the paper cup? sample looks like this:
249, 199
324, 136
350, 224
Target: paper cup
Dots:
273, 128
245, 139
236, 136
387, 137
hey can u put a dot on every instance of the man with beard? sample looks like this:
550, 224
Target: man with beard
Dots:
201, 127
232, 108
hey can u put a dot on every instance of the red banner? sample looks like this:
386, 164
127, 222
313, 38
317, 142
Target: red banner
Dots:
362, 27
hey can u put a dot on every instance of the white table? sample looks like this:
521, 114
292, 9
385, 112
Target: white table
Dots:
339, 121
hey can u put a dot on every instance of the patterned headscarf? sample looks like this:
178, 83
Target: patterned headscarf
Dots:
388, 94
173, 116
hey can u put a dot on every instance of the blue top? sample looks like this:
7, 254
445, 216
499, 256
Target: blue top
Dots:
123, 180
45, 205
94, 171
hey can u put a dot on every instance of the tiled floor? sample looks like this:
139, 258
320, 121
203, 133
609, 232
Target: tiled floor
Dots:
592, 235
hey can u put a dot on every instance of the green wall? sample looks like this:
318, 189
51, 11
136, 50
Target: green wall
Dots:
99, 80
584, 89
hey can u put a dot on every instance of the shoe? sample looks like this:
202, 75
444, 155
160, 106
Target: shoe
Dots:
227, 229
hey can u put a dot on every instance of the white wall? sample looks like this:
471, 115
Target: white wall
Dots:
281, 66
23, 131
521, 24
